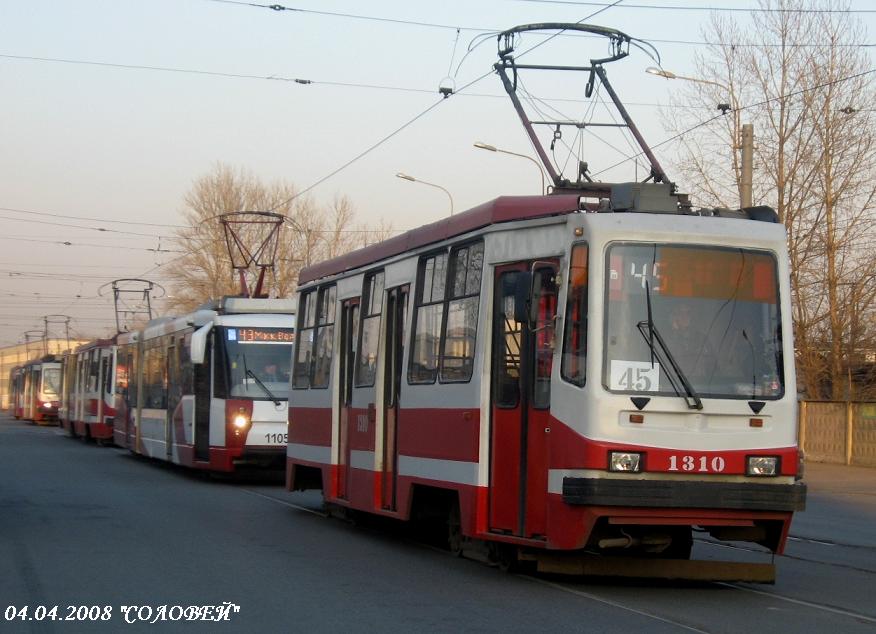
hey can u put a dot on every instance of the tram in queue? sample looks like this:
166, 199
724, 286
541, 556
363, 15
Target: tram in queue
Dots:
87, 406
16, 389
208, 390
544, 375
34, 389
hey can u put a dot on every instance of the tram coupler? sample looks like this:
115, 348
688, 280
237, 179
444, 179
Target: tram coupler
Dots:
591, 565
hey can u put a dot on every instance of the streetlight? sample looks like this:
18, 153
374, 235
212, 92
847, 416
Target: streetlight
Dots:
493, 148
747, 145
408, 177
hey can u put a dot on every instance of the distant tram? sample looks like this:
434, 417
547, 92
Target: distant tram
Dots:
88, 395
208, 390
544, 375
34, 389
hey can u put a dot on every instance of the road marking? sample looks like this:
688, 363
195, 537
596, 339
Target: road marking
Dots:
614, 604
809, 604
284, 503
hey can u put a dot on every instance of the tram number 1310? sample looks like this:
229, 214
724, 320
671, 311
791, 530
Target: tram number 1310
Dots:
700, 464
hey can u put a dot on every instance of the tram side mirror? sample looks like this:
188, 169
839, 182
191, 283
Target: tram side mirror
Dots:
522, 294
199, 344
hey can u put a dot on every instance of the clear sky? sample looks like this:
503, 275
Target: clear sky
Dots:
111, 140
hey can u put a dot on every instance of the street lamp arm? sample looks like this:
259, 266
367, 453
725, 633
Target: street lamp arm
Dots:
666, 74
410, 178
493, 148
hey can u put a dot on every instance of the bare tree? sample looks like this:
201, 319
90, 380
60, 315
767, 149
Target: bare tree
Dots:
311, 233
793, 75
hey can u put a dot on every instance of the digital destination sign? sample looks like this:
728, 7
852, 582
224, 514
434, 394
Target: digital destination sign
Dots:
261, 335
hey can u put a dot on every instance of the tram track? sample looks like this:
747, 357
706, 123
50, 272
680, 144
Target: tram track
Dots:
824, 607
809, 560
626, 607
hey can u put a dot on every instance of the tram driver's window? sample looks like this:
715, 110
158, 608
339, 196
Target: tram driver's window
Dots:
575, 336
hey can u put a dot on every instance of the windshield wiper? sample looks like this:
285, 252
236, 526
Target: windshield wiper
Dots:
691, 397
264, 387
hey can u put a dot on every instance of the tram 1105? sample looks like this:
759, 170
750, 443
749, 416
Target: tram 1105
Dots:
208, 390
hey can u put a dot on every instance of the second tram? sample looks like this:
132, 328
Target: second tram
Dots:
208, 390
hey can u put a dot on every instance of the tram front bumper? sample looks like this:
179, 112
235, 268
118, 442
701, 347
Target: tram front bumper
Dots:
749, 496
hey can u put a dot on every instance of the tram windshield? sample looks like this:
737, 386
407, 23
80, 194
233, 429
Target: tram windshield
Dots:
259, 362
712, 312
52, 381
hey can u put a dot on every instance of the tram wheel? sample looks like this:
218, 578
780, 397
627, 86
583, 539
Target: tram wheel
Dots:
506, 558
455, 538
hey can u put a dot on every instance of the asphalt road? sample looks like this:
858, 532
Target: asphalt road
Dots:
91, 526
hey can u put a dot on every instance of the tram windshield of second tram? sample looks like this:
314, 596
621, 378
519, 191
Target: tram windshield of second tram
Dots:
716, 310
51, 381
259, 361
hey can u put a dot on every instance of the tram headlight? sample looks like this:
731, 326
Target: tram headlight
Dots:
625, 461
240, 421
762, 466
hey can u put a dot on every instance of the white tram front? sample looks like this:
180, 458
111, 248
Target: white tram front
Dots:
544, 375
208, 390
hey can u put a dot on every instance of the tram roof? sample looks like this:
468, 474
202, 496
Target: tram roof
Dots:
502, 209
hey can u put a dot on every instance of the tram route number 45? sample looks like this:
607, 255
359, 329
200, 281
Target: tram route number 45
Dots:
635, 376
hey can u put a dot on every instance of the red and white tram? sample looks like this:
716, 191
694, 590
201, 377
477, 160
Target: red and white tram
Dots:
16, 390
34, 388
88, 394
543, 375
208, 390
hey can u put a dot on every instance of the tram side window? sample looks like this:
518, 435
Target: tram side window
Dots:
304, 340
155, 379
575, 339
123, 369
107, 374
93, 370
186, 367
460, 335
324, 337
428, 318
545, 280
509, 333
366, 359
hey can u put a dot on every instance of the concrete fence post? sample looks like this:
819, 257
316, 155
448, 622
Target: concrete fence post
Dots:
849, 420
801, 426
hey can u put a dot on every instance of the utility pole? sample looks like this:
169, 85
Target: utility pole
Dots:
747, 164
746, 143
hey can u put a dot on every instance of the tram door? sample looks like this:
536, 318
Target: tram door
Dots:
523, 345
396, 312
203, 390
349, 334
102, 385
174, 396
